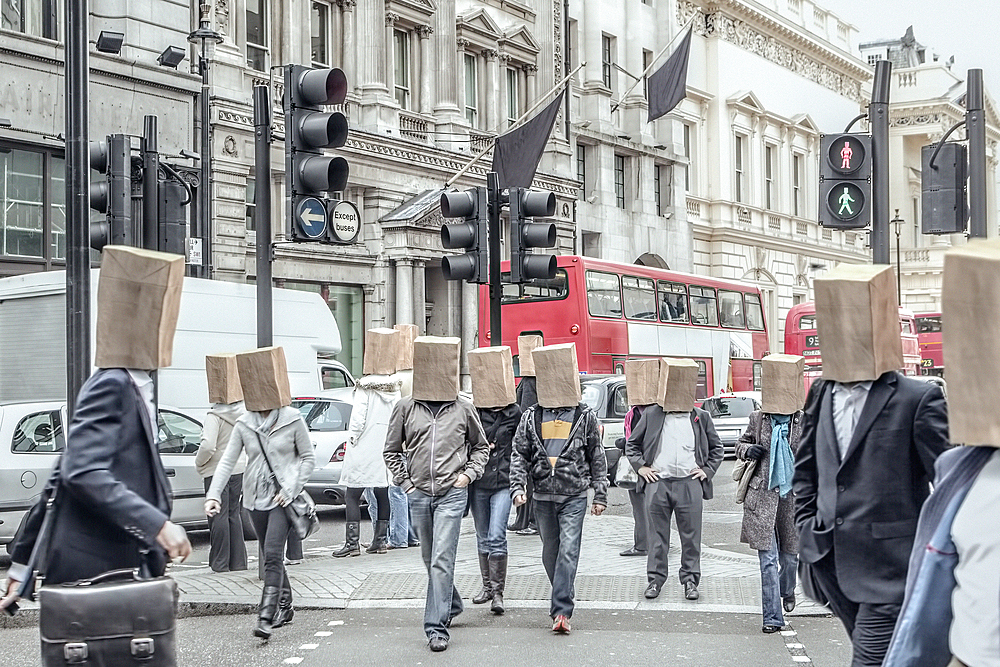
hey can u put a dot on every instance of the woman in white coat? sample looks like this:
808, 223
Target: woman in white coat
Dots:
364, 467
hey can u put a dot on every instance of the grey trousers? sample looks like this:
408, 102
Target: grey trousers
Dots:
680, 497
638, 501
227, 552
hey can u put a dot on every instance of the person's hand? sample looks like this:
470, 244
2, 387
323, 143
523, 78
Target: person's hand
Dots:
520, 499
173, 538
699, 474
462, 481
597, 509
493, 445
754, 453
280, 498
212, 507
11, 595
649, 474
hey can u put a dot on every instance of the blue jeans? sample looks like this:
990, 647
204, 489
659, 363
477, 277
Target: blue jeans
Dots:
438, 521
490, 511
777, 580
560, 525
399, 517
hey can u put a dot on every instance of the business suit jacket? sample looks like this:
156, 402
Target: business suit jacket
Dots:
865, 508
114, 495
643, 445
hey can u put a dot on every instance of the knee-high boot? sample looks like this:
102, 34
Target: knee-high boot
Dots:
498, 581
379, 540
285, 612
351, 546
486, 594
266, 611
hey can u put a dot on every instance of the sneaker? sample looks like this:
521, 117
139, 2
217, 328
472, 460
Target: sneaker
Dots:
560, 625
530, 530
414, 543
632, 551
293, 561
691, 590
770, 629
438, 644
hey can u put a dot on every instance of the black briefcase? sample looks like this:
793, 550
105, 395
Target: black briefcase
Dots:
113, 620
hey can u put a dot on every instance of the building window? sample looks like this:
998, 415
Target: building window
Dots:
620, 181
32, 17
513, 107
738, 186
687, 154
662, 180
32, 205
251, 202
581, 165
607, 60
657, 190
797, 178
769, 177
647, 60
471, 89
320, 34
257, 35
346, 302
402, 60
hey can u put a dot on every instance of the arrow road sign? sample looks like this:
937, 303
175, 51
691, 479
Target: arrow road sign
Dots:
310, 216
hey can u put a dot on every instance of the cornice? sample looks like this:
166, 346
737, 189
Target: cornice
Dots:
715, 234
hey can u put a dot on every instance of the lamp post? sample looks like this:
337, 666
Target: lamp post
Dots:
203, 225
897, 222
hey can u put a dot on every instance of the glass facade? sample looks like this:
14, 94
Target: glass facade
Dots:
32, 209
347, 303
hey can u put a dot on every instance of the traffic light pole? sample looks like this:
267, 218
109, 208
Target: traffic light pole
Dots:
150, 185
975, 129
262, 212
878, 114
496, 288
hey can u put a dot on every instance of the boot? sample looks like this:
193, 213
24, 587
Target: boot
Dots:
350, 547
284, 614
379, 541
486, 594
266, 611
498, 581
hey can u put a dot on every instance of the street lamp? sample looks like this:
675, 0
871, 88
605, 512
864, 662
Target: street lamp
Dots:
203, 226
897, 222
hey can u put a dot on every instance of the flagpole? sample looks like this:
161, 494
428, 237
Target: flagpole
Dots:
689, 24
518, 122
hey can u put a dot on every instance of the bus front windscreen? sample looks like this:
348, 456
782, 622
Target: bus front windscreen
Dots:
539, 289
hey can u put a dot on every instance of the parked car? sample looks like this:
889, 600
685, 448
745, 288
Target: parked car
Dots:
327, 415
730, 413
606, 395
32, 435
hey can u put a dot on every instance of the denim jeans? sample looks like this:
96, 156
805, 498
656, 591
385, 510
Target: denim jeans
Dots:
272, 531
560, 525
490, 511
399, 517
438, 521
777, 580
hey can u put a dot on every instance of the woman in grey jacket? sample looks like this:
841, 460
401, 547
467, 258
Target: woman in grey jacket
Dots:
284, 436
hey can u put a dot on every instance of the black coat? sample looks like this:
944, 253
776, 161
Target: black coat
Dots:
527, 394
865, 508
114, 496
500, 425
643, 445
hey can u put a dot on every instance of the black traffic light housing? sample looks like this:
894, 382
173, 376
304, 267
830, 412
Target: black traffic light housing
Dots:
472, 234
845, 170
113, 196
943, 186
524, 235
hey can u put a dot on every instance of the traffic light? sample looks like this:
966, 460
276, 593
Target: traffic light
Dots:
943, 203
112, 196
308, 130
524, 235
472, 235
845, 171
173, 221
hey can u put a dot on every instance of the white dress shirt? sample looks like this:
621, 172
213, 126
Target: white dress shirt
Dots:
848, 401
144, 383
676, 456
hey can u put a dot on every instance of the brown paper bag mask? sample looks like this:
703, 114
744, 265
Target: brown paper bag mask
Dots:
525, 345
642, 380
223, 379
678, 384
970, 304
857, 318
492, 373
264, 378
138, 301
407, 334
557, 375
382, 351
783, 388
436, 363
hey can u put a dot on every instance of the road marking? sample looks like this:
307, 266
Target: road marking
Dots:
308, 647
795, 648
323, 634
333, 623
293, 661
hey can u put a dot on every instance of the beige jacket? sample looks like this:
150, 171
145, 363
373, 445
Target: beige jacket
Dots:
215, 434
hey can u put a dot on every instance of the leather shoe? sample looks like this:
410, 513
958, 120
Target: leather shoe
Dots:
438, 644
788, 603
632, 551
691, 590
652, 591
770, 629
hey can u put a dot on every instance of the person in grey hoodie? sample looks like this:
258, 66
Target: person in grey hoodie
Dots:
227, 550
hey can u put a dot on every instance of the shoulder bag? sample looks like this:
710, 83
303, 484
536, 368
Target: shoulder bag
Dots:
744, 469
625, 475
301, 510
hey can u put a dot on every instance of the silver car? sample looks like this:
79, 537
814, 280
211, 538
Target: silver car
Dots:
730, 413
327, 415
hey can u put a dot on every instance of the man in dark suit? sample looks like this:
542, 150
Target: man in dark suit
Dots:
870, 437
676, 451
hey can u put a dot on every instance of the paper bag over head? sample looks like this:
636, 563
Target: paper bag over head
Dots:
436, 362
407, 334
492, 373
557, 375
857, 318
525, 345
678, 384
783, 387
970, 311
138, 302
223, 379
382, 351
642, 380
264, 378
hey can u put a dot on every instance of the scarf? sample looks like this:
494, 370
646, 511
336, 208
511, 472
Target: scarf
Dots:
782, 461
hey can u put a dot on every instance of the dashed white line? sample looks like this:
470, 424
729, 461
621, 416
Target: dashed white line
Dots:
333, 623
323, 634
308, 647
293, 661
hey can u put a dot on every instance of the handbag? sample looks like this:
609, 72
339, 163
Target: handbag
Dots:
746, 473
625, 475
301, 511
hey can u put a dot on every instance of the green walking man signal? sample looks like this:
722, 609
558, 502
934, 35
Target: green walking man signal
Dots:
845, 171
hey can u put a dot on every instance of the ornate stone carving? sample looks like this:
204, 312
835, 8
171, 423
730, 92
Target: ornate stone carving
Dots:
462, 43
391, 18
530, 70
490, 54
347, 5
424, 31
222, 16
504, 58
229, 146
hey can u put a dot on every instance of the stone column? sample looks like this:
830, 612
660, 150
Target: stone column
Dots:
531, 85
371, 51
448, 84
372, 320
390, 50
419, 296
423, 34
462, 44
503, 100
348, 57
404, 291
470, 327
490, 85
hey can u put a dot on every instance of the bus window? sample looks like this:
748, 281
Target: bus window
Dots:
604, 299
703, 310
929, 324
807, 323
906, 326
639, 298
731, 307
673, 302
701, 390
755, 314
539, 289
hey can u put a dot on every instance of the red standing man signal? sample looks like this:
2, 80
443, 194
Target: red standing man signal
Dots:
845, 154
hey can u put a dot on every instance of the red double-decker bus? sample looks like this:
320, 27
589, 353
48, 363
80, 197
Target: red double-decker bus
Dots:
929, 339
614, 312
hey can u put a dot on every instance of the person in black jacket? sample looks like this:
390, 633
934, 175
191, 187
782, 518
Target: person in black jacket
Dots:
527, 395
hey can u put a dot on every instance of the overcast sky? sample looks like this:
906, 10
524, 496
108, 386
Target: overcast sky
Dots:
966, 29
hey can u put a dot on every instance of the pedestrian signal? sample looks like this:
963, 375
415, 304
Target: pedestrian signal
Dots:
845, 180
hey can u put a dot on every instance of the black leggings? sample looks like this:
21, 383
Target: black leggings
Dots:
272, 531
353, 502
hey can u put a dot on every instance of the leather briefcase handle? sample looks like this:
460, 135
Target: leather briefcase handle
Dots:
126, 574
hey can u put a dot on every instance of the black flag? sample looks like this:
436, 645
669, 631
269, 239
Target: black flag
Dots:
516, 154
667, 86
